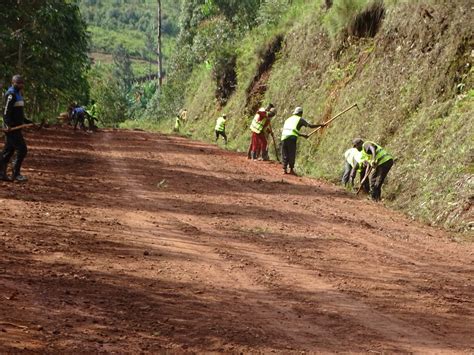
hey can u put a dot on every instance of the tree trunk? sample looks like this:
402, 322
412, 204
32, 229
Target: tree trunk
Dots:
160, 55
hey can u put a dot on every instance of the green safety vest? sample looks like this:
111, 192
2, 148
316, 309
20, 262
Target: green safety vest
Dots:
290, 128
92, 110
257, 126
381, 155
177, 124
220, 125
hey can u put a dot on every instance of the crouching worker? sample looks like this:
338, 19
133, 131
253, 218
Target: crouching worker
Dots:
380, 163
220, 128
354, 162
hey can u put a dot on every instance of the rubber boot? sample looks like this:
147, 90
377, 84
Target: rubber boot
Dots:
16, 173
254, 155
265, 155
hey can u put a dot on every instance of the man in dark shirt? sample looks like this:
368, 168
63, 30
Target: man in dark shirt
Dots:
14, 116
289, 136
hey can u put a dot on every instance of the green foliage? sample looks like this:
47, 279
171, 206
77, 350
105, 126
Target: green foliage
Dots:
419, 112
110, 95
46, 42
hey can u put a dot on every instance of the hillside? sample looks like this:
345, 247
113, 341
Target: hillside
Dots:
407, 64
133, 25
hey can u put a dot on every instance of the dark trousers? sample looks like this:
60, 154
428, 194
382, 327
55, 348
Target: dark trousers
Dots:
14, 142
288, 153
79, 118
378, 177
346, 176
218, 133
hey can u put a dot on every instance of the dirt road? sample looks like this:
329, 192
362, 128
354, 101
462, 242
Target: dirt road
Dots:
130, 242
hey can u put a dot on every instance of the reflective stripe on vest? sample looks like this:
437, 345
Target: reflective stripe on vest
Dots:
381, 155
257, 126
220, 125
290, 128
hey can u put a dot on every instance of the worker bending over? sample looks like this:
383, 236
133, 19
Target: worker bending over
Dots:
380, 162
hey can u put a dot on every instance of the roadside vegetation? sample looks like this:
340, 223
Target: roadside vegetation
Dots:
408, 64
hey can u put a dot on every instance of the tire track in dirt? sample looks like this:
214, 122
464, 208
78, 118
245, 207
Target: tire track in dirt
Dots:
140, 242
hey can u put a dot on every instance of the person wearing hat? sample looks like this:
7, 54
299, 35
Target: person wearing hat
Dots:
353, 163
267, 131
289, 137
14, 116
220, 127
259, 141
380, 162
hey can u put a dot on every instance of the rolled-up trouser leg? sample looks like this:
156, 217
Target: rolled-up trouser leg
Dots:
377, 179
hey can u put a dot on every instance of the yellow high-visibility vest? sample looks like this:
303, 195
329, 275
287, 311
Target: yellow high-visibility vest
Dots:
256, 125
220, 124
381, 155
290, 128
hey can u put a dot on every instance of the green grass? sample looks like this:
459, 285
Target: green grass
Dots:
409, 106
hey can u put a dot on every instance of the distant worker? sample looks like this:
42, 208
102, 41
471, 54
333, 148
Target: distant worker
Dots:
14, 116
183, 115
177, 124
259, 124
79, 117
220, 127
289, 137
380, 162
268, 132
91, 112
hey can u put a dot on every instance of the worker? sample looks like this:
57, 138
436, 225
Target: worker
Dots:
183, 115
354, 162
259, 125
352, 158
13, 116
380, 162
220, 127
268, 132
289, 137
91, 114
78, 117
177, 124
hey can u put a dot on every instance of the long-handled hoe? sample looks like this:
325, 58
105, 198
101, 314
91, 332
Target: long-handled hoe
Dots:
332, 119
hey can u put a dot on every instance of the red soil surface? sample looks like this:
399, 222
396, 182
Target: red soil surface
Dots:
136, 242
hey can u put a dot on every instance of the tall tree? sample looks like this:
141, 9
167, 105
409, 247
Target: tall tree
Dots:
45, 41
160, 54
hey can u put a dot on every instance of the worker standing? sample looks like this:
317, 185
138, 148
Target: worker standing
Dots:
220, 127
13, 116
289, 137
380, 162
177, 124
267, 130
259, 142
